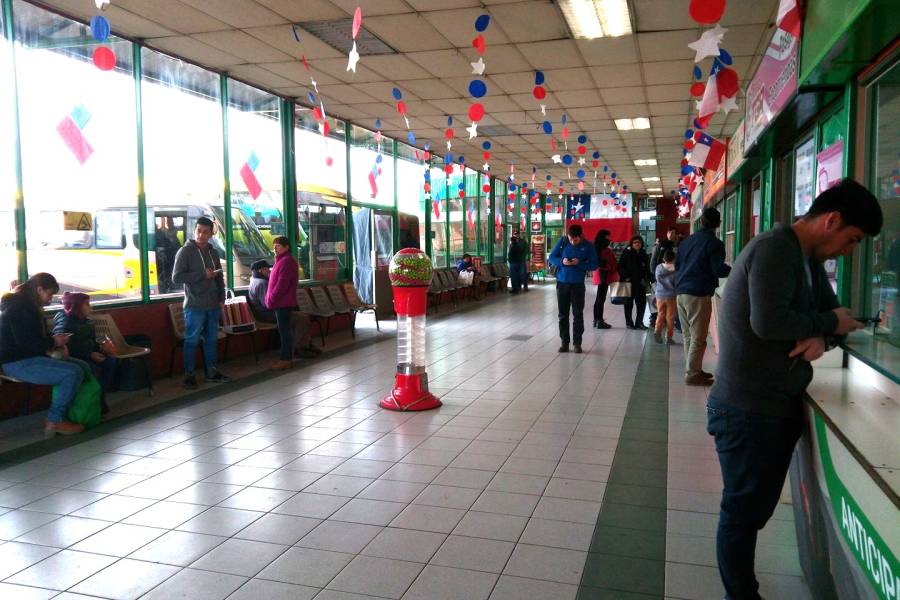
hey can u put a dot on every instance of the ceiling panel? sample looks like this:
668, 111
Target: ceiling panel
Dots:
238, 14
623, 95
196, 50
282, 38
549, 55
240, 44
667, 45
529, 21
608, 51
617, 76
308, 10
173, 15
407, 33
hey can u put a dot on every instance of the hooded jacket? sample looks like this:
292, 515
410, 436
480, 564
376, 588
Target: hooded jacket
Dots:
282, 290
259, 285
191, 263
23, 330
584, 252
84, 334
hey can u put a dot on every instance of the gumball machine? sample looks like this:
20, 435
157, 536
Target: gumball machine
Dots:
410, 273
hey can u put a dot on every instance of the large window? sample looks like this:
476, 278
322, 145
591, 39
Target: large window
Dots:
729, 226
371, 167
484, 216
455, 211
411, 196
499, 229
8, 258
256, 175
183, 164
438, 210
79, 155
321, 167
885, 249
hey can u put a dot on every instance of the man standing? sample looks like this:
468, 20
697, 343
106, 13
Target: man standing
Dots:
199, 269
777, 315
700, 262
515, 255
574, 258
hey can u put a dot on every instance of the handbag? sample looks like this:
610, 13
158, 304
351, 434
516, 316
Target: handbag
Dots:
620, 292
85, 408
553, 269
236, 315
466, 277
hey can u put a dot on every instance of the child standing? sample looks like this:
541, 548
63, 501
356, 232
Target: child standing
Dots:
665, 296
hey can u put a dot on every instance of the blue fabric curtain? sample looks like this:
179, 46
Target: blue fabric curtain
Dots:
362, 254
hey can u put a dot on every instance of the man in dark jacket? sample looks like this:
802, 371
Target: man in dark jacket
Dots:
778, 314
199, 269
574, 258
516, 258
700, 263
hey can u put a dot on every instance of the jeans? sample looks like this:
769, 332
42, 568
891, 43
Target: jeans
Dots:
515, 275
638, 299
600, 301
570, 295
695, 313
65, 376
285, 332
523, 273
200, 323
754, 454
105, 373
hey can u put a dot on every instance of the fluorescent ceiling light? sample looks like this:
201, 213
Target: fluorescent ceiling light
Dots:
654, 195
649, 178
638, 123
645, 162
591, 19
654, 189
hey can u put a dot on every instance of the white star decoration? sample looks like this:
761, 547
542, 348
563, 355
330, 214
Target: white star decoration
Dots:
578, 207
101, 4
728, 104
478, 67
544, 109
485, 167
556, 159
473, 130
352, 58
708, 44
581, 161
449, 145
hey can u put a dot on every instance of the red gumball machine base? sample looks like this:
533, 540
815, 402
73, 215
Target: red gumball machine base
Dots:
410, 393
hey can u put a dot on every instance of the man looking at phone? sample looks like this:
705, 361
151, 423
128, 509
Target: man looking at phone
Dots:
777, 315
199, 268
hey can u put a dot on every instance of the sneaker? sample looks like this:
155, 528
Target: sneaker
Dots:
630, 327
658, 336
604, 325
670, 341
564, 348
217, 377
577, 349
190, 382
641, 327
596, 324
62, 428
698, 380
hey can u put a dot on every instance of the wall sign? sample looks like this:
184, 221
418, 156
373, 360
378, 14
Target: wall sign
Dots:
829, 166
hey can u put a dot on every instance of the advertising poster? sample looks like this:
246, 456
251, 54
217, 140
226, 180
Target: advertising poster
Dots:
829, 166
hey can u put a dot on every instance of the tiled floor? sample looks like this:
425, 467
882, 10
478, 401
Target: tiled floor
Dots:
535, 479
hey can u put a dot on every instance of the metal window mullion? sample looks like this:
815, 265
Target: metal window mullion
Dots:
226, 190
19, 203
143, 226
447, 221
395, 228
348, 218
428, 209
288, 175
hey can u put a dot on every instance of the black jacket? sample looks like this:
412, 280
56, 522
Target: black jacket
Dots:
634, 266
84, 335
516, 252
23, 331
658, 251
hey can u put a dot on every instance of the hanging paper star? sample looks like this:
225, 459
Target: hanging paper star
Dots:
485, 167
544, 109
581, 161
708, 44
473, 130
101, 4
557, 159
352, 58
478, 67
728, 104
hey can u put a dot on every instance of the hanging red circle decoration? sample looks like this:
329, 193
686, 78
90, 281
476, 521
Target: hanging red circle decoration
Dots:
707, 12
449, 133
697, 89
329, 161
426, 156
595, 163
401, 107
462, 193
727, 83
427, 187
581, 149
317, 113
478, 44
448, 169
326, 128
565, 133
104, 58
486, 188
486, 155
476, 112
539, 92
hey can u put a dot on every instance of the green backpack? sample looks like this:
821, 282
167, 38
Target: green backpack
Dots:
85, 408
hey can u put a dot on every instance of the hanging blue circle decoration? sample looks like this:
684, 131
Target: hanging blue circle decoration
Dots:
687, 169
548, 127
427, 146
564, 119
296, 31
613, 175
512, 187
449, 121
549, 178
582, 139
311, 97
379, 158
461, 186
99, 28
688, 134
461, 159
605, 168
411, 137
448, 158
698, 72
397, 93
580, 173
595, 155
567, 159
477, 88
538, 78
698, 124
725, 57
482, 22
377, 124
486, 145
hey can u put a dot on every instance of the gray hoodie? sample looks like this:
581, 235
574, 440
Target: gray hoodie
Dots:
190, 269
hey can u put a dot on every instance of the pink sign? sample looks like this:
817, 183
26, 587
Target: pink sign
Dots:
773, 84
829, 166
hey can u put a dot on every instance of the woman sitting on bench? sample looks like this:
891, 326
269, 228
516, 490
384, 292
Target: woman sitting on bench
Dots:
27, 348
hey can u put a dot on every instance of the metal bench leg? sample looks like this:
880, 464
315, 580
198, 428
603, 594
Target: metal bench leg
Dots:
377, 326
149, 375
352, 317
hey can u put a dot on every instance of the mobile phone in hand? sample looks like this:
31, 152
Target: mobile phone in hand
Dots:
869, 320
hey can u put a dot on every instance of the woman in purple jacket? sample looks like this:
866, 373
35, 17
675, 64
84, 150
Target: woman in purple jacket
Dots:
281, 297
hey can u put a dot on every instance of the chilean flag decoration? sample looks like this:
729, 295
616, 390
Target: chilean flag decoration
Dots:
789, 17
248, 174
721, 90
70, 130
601, 211
707, 152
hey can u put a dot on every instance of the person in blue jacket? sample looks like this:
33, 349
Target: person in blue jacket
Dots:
573, 258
